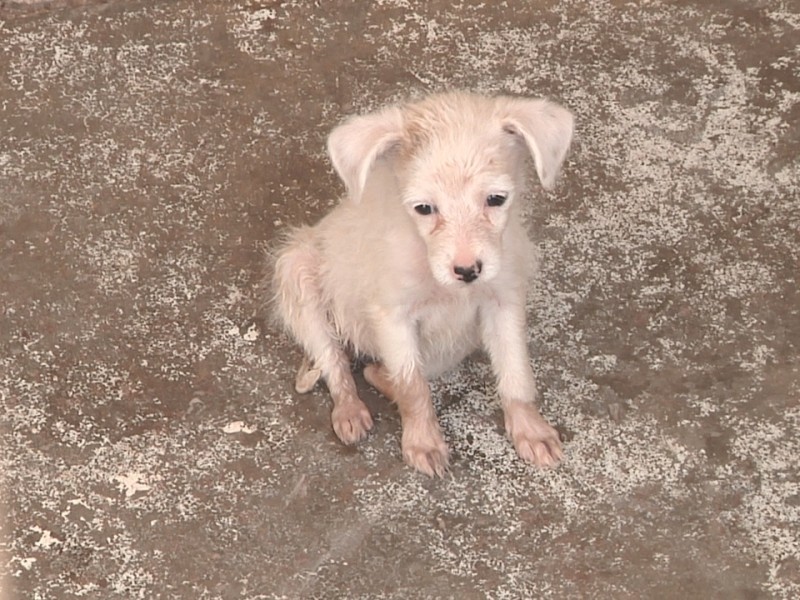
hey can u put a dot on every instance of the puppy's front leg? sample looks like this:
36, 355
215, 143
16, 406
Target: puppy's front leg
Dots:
401, 380
503, 331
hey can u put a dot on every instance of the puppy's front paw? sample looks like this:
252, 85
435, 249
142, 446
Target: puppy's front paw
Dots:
425, 449
535, 440
351, 421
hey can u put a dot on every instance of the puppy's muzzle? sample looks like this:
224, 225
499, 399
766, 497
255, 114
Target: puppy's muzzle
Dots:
468, 274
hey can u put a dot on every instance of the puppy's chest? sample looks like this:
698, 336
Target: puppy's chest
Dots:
447, 315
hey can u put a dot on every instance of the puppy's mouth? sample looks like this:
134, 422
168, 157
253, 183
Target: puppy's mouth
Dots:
470, 273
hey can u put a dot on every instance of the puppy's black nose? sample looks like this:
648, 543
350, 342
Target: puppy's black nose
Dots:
468, 274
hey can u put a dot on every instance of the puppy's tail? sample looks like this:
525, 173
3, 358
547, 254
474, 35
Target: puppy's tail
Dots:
291, 292
289, 275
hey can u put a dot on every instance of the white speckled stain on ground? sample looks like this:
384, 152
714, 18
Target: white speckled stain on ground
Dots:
151, 150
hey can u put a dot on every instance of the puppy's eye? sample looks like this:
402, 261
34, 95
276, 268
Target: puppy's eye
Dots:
424, 209
496, 199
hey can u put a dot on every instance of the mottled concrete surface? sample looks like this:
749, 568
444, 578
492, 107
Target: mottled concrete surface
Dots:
152, 445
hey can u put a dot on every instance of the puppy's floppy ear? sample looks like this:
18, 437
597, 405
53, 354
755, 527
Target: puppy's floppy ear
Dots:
547, 130
358, 142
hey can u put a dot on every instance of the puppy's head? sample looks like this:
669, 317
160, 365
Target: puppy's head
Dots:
459, 159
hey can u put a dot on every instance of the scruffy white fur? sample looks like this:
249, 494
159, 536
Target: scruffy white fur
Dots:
425, 261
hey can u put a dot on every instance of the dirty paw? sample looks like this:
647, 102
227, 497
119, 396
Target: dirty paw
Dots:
535, 440
542, 453
433, 462
351, 422
426, 451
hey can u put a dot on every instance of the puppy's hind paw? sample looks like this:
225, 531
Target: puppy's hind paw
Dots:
351, 422
307, 377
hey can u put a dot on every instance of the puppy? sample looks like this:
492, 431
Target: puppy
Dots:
425, 261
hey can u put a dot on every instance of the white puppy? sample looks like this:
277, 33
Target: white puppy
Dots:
424, 262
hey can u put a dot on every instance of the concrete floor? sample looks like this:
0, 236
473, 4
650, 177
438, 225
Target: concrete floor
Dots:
152, 445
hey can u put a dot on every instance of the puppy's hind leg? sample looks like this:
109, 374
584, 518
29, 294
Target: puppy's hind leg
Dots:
298, 303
